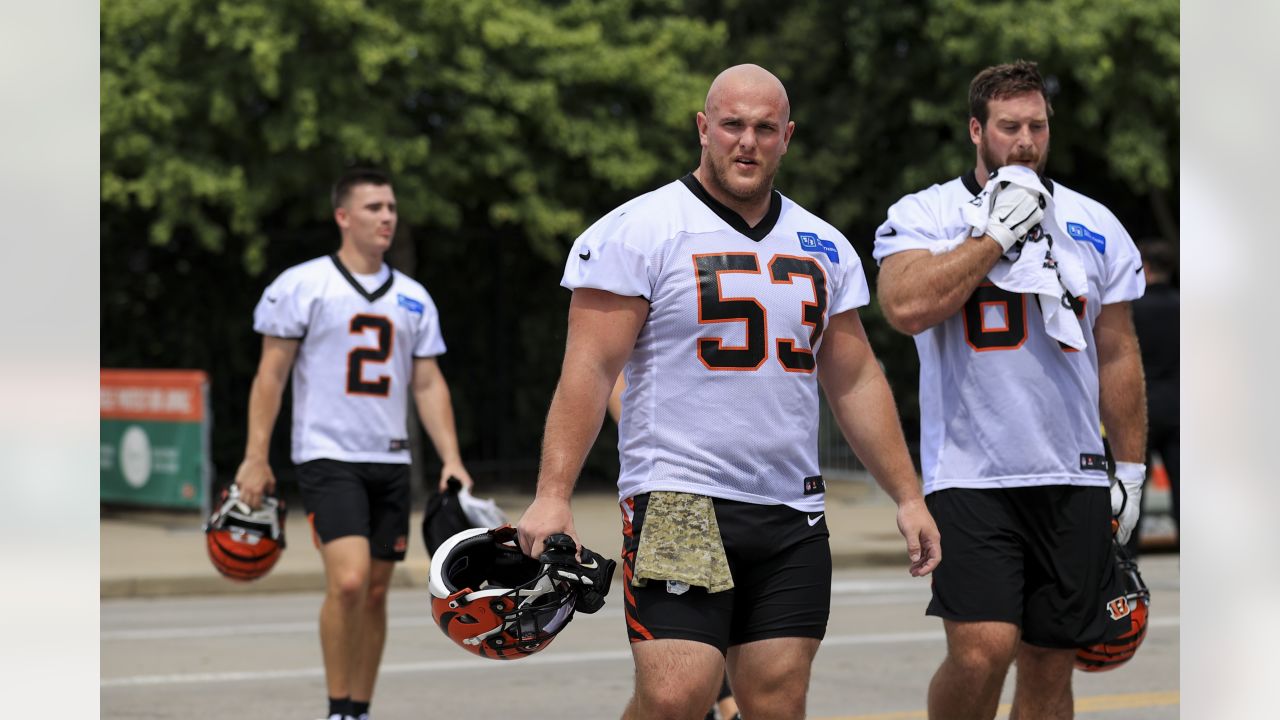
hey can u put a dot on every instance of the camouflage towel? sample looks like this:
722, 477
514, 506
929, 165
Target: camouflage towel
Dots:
680, 542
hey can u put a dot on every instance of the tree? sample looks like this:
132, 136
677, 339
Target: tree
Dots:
879, 94
507, 127
510, 126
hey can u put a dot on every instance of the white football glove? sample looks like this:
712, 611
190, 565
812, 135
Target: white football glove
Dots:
1126, 498
1014, 211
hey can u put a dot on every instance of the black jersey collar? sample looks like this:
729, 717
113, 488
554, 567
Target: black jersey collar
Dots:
970, 180
370, 296
757, 233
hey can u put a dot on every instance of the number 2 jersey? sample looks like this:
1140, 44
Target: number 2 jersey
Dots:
352, 375
1002, 404
722, 392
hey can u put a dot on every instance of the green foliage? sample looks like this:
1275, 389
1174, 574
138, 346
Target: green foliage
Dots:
879, 94
508, 128
215, 116
511, 126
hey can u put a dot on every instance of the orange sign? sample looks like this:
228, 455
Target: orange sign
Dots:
173, 395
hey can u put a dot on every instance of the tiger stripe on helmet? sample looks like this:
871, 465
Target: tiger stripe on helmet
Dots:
244, 544
1128, 611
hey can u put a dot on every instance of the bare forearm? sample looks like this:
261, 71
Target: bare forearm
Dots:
435, 409
863, 406
919, 290
602, 332
573, 422
264, 407
1123, 404
1122, 392
872, 429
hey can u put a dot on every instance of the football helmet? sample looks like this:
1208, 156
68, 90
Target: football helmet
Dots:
496, 602
244, 544
1128, 620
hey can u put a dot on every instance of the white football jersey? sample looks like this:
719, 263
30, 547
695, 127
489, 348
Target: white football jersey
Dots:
722, 391
351, 378
1001, 403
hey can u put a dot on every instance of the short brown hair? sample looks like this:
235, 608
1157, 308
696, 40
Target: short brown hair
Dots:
352, 178
1005, 81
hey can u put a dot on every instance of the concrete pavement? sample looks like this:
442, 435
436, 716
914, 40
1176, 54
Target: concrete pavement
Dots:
147, 553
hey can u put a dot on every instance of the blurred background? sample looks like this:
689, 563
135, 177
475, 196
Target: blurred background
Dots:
509, 127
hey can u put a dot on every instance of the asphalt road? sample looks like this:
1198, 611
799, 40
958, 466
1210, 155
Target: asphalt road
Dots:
258, 656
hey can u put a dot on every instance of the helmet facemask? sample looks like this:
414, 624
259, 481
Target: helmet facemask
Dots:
496, 602
243, 543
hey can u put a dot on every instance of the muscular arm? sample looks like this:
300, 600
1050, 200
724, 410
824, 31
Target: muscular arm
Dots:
863, 406
435, 409
602, 332
1122, 393
254, 476
918, 289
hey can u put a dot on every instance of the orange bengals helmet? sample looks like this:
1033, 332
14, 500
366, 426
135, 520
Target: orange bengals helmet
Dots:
1128, 620
244, 544
496, 602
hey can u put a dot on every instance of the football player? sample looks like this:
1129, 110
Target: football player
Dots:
728, 304
359, 337
1014, 464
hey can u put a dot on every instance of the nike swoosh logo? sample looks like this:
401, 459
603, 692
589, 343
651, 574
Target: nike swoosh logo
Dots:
814, 520
592, 566
586, 255
1011, 212
892, 231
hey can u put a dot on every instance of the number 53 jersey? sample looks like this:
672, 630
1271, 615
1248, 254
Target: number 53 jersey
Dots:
1003, 404
722, 391
354, 367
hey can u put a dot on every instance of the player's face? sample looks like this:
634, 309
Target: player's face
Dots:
1016, 133
743, 140
368, 217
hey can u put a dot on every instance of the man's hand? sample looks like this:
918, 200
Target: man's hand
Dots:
1014, 211
1126, 498
254, 478
544, 517
924, 545
454, 470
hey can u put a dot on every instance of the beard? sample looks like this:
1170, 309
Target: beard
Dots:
746, 194
1031, 157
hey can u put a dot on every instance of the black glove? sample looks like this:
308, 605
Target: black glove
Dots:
591, 577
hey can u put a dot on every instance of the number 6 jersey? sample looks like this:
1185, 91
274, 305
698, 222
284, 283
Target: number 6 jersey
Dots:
352, 375
1002, 404
722, 392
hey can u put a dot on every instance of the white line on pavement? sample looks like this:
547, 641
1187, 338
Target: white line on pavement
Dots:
489, 666
864, 592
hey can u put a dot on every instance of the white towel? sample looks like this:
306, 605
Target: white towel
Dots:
480, 513
1050, 270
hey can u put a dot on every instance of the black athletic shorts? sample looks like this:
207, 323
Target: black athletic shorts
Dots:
366, 499
780, 559
1037, 557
